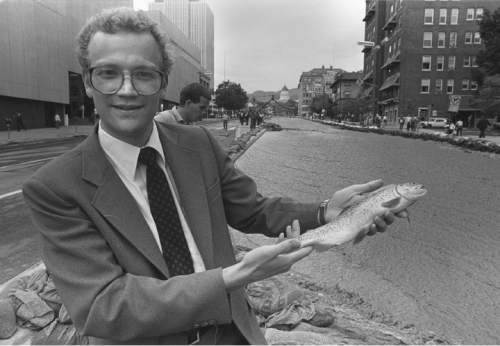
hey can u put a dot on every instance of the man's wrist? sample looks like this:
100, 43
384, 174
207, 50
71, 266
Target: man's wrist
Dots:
323, 206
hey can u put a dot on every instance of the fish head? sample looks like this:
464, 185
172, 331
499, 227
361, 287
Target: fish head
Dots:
411, 191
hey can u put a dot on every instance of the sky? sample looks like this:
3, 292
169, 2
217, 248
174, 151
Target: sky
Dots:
265, 44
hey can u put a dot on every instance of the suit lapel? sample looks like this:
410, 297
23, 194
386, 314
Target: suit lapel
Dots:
115, 203
185, 166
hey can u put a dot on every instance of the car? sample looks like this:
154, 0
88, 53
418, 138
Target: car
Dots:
435, 123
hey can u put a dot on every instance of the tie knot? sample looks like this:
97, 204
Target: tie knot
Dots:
147, 156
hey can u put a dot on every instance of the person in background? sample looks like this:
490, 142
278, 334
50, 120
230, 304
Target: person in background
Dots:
482, 125
57, 120
225, 120
401, 123
134, 220
194, 99
19, 122
459, 127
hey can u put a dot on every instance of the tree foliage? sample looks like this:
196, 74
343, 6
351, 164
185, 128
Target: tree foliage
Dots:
488, 58
231, 96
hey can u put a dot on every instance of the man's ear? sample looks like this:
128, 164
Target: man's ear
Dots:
86, 82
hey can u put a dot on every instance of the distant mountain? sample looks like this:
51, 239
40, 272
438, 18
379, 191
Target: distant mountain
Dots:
262, 96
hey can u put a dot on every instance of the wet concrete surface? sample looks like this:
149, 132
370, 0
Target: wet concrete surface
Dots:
440, 273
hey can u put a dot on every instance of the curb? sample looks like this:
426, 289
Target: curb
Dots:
464, 142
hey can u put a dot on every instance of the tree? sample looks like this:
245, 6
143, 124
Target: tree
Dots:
488, 59
231, 96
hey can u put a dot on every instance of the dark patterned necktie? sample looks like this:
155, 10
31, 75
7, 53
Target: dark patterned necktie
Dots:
161, 201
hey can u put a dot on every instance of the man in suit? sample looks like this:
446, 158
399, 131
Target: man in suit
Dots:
194, 99
133, 221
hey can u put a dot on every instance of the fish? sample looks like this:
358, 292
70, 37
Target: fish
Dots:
349, 224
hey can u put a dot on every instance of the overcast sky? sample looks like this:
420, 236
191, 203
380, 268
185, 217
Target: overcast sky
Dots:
263, 44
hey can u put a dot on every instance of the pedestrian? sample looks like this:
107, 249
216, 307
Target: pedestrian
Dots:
401, 123
194, 100
470, 123
482, 125
252, 114
241, 117
413, 124
408, 123
225, 119
459, 126
57, 120
134, 220
20, 122
451, 128
384, 120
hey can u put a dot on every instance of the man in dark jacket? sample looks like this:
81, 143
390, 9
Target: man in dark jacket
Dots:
482, 125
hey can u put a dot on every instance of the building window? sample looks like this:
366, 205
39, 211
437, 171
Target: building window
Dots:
473, 85
441, 39
427, 39
470, 14
479, 13
449, 86
439, 86
454, 16
440, 63
474, 61
426, 63
443, 13
466, 61
453, 39
477, 38
465, 84
429, 16
425, 86
468, 37
451, 63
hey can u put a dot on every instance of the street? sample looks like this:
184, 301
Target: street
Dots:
441, 272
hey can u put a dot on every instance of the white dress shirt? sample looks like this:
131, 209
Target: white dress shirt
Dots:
123, 157
170, 116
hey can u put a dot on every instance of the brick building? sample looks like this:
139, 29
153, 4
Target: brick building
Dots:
422, 55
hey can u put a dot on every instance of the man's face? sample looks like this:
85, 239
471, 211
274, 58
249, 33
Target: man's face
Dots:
196, 110
125, 115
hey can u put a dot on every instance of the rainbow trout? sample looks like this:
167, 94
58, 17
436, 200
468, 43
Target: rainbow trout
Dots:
348, 225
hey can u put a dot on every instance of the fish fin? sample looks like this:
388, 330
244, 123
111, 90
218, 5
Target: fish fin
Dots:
359, 237
392, 203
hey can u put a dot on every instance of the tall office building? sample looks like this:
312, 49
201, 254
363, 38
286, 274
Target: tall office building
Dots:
196, 20
422, 56
201, 32
177, 11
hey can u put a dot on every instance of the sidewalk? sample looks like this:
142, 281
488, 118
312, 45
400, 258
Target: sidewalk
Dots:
33, 135
468, 133
44, 133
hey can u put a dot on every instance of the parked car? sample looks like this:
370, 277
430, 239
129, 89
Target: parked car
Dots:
435, 123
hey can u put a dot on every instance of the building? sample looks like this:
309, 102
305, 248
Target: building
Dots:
422, 56
195, 20
284, 94
313, 83
39, 72
201, 32
176, 11
346, 90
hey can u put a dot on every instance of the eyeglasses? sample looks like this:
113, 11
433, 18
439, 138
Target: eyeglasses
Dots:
109, 79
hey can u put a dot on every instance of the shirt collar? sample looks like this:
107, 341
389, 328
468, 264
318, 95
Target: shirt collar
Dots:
124, 155
177, 115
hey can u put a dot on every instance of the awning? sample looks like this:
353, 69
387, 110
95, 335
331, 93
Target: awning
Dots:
391, 81
366, 92
392, 60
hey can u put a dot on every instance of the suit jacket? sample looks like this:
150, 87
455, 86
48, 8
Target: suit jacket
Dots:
105, 263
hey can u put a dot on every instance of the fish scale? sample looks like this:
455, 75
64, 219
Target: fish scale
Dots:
348, 225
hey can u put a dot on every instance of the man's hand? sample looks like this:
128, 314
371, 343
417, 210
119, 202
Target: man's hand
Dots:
292, 231
354, 193
264, 262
